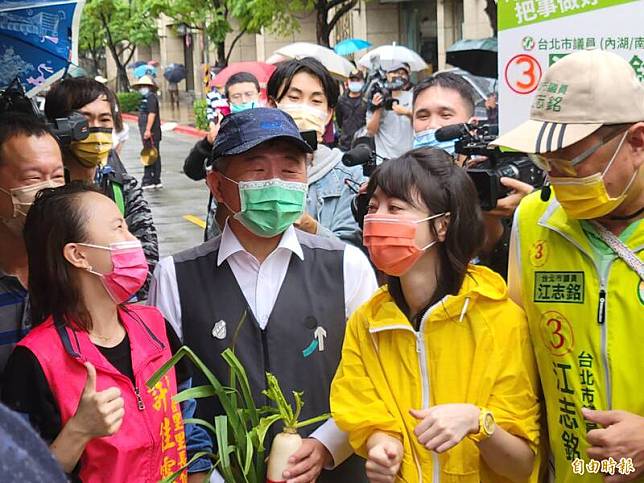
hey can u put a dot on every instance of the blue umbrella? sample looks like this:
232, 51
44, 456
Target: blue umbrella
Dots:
38, 40
349, 46
145, 69
175, 73
136, 64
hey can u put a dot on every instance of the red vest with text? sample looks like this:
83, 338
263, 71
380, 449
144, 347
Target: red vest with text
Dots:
151, 442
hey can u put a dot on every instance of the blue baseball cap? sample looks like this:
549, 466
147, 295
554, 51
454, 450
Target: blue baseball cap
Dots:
242, 131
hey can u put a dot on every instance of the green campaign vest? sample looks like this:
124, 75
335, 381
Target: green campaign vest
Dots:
587, 327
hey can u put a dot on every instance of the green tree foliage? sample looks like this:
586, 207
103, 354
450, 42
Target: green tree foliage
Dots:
122, 25
92, 40
218, 18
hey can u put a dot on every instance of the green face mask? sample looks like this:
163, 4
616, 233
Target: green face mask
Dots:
269, 207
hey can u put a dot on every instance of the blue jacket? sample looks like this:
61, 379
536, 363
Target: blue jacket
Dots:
329, 198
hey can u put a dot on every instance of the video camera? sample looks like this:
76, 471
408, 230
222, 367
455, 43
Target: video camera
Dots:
66, 129
363, 153
378, 84
473, 141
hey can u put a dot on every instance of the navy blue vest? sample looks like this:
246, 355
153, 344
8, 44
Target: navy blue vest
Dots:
311, 296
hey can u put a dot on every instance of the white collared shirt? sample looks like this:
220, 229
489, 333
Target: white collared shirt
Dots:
260, 283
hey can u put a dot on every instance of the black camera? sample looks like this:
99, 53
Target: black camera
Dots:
378, 84
67, 129
473, 142
363, 153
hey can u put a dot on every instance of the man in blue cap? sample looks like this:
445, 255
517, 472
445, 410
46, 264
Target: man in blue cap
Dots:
277, 295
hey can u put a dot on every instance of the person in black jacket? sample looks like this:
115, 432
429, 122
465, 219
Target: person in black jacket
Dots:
93, 160
351, 110
150, 129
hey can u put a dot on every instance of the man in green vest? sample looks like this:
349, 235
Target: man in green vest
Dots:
576, 263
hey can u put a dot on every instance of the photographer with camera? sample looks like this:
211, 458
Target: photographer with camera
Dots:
390, 112
446, 99
576, 260
93, 160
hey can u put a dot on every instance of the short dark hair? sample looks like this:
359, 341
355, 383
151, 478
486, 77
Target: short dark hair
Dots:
238, 78
448, 80
280, 81
58, 217
70, 94
18, 124
444, 187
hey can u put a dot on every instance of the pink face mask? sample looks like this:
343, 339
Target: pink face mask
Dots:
129, 270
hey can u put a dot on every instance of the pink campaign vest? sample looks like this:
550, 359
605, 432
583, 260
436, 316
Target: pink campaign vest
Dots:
151, 442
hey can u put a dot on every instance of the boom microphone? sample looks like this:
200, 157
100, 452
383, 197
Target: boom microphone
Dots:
453, 131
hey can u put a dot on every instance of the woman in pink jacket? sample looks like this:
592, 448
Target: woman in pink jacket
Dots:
80, 374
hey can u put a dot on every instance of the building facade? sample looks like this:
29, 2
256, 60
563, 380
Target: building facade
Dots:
426, 26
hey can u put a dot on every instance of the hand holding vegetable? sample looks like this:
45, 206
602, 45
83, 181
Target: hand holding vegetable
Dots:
307, 463
384, 455
445, 425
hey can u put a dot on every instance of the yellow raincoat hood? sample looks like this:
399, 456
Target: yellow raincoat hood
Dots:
473, 347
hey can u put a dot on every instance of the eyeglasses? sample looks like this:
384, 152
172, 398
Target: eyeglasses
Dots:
568, 165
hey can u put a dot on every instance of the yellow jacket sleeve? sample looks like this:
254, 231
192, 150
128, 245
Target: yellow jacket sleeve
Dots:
514, 398
358, 406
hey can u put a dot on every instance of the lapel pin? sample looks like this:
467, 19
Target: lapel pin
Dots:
219, 330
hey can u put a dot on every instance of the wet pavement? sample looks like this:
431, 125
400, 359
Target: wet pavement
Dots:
180, 195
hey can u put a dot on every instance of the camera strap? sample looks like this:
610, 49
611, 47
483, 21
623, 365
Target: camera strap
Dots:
621, 250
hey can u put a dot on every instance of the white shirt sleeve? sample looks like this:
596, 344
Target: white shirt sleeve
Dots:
335, 441
359, 279
164, 293
514, 264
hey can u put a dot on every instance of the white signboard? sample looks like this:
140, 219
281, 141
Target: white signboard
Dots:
533, 34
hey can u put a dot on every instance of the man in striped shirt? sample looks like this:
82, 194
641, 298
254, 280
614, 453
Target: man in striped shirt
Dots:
30, 160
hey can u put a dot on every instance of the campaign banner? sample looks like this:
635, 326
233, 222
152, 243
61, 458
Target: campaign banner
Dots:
534, 34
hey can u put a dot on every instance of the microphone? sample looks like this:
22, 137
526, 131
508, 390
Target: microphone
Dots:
546, 190
453, 131
361, 154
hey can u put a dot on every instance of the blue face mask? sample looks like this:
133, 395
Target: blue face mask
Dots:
356, 87
427, 139
243, 106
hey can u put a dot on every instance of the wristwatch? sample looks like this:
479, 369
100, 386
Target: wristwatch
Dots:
487, 426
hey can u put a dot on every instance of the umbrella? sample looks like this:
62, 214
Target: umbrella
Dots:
175, 73
477, 56
337, 65
386, 56
38, 40
145, 69
76, 71
261, 70
349, 46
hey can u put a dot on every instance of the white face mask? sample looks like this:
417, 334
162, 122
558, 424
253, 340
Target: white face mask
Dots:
307, 118
144, 91
22, 198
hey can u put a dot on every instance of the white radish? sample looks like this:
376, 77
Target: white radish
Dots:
284, 445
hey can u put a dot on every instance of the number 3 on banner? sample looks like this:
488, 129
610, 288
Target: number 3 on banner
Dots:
522, 73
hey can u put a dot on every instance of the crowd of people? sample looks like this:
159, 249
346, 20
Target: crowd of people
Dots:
398, 321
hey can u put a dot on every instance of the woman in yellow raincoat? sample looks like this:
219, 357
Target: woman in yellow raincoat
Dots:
437, 380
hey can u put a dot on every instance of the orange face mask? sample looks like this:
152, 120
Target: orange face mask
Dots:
391, 241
